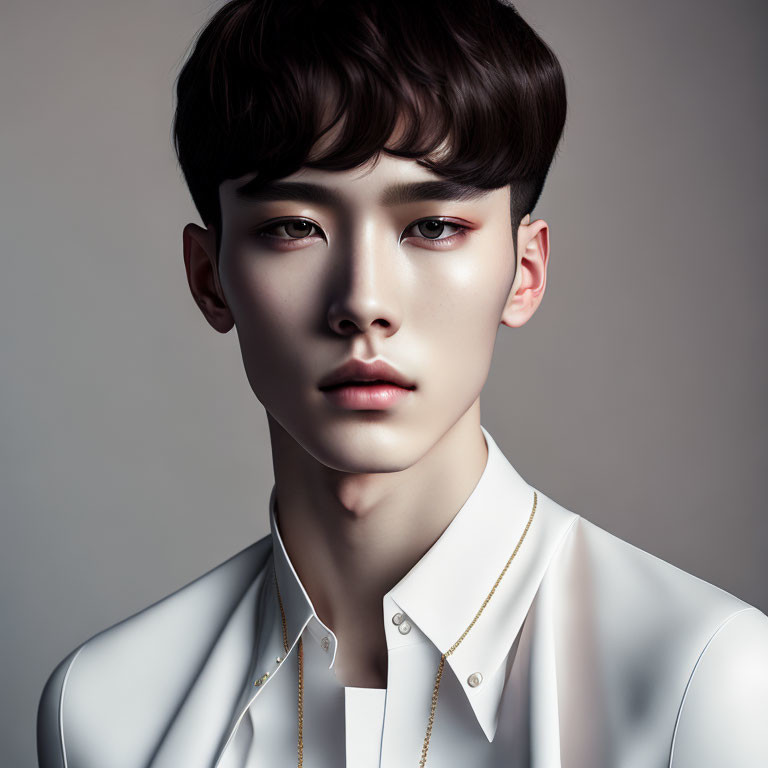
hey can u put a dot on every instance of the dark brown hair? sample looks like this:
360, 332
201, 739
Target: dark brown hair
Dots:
265, 75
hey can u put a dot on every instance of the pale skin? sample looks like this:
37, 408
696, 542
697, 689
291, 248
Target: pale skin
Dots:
361, 494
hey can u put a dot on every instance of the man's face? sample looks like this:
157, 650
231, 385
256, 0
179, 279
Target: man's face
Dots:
421, 283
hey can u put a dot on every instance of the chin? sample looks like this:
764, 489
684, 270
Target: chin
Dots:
365, 448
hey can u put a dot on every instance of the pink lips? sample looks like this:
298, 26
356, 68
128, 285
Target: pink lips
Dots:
366, 384
376, 396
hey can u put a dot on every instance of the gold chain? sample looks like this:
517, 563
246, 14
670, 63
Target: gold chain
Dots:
443, 656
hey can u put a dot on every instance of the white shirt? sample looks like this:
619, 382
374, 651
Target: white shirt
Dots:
586, 649
593, 654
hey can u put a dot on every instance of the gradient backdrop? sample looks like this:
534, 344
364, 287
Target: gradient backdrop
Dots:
133, 455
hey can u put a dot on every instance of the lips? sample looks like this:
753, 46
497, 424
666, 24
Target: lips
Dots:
360, 372
366, 396
353, 383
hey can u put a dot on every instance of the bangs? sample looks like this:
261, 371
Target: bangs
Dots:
467, 89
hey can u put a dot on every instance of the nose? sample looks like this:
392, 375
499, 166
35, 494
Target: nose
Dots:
366, 287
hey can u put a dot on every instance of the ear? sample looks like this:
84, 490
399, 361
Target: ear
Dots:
531, 273
203, 276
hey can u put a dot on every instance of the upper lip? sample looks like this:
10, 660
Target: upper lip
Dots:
360, 370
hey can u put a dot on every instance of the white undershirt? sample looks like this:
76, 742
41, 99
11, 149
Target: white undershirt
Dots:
364, 716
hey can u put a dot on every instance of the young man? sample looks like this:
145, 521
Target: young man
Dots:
366, 173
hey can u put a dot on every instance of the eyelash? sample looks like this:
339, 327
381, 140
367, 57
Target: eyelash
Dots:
452, 239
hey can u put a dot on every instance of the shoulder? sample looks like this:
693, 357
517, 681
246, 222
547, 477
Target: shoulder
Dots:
138, 669
668, 654
722, 717
633, 582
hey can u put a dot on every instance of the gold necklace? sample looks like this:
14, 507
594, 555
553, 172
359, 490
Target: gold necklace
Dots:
443, 656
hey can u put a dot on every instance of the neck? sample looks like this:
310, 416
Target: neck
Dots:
352, 536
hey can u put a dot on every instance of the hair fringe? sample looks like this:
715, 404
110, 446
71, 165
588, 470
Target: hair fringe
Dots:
479, 95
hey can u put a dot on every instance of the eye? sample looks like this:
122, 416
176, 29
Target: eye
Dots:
295, 229
432, 229
288, 231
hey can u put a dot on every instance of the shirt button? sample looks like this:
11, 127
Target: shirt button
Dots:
475, 679
404, 626
325, 643
397, 619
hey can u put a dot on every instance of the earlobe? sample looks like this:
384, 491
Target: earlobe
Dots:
530, 281
202, 275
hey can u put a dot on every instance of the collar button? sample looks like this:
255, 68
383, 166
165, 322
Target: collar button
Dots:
474, 679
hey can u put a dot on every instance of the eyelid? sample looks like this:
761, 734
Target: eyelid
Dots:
261, 229
463, 229
442, 219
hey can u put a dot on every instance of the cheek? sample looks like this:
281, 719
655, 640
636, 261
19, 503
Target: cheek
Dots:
462, 311
263, 287
272, 312
461, 307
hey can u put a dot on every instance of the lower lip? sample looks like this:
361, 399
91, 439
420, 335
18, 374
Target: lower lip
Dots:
369, 397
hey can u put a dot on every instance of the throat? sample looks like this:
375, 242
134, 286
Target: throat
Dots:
357, 670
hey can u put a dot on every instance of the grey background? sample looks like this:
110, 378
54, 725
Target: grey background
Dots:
133, 455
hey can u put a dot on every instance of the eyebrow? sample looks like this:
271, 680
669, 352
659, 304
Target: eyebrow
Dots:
396, 194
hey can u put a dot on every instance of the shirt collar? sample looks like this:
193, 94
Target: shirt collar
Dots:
443, 591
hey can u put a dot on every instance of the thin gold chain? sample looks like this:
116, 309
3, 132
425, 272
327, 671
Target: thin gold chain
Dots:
301, 675
443, 656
